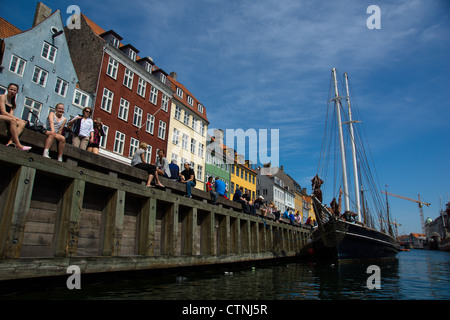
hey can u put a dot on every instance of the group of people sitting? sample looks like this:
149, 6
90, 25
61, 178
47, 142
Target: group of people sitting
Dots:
84, 132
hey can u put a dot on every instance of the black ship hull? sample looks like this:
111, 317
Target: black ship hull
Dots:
355, 242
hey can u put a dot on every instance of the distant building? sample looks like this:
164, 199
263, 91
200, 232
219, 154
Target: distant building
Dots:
38, 60
242, 175
218, 163
187, 130
132, 95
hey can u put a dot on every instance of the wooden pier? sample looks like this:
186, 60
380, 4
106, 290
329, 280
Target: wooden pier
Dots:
97, 214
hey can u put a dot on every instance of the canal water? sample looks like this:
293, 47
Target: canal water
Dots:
414, 275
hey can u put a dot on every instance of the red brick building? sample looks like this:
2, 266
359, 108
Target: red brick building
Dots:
132, 95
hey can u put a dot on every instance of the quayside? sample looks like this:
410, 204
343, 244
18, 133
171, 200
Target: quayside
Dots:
96, 213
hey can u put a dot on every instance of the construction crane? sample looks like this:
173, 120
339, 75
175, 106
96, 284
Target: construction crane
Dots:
422, 220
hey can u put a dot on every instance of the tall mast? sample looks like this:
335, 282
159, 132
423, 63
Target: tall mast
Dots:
337, 103
352, 139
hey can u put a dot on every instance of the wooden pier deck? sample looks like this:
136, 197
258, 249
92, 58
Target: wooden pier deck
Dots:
96, 213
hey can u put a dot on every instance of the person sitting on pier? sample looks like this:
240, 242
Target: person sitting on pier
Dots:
209, 188
174, 171
237, 197
221, 188
94, 146
188, 177
162, 164
251, 206
138, 161
16, 125
259, 204
55, 124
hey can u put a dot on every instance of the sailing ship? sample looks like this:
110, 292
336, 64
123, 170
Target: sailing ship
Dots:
354, 234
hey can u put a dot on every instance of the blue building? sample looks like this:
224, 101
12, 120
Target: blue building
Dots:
38, 60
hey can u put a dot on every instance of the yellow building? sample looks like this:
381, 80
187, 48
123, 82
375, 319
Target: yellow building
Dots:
243, 176
188, 129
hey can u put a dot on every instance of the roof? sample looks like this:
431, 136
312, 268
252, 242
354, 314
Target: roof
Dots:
7, 29
100, 31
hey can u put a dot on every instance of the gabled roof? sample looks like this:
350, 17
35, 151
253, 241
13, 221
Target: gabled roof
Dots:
7, 29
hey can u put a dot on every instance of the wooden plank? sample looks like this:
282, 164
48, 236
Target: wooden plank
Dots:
113, 224
14, 214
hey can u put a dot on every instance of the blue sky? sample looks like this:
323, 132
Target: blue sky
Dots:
267, 65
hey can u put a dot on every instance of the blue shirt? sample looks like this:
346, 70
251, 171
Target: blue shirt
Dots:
237, 195
220, 187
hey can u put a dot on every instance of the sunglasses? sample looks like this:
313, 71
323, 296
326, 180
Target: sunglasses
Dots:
88, 111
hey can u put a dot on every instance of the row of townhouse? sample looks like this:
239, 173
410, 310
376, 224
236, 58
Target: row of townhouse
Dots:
88, 66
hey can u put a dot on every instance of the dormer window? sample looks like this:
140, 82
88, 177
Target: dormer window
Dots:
163, 78
179, 92
148, 67
132, 55
190, 101
114, 42
200, 108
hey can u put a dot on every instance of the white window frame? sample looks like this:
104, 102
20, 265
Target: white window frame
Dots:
177, 114
150, 125
200, 108
61, 87
128, 78
148, 154
201, 148
162, 130
190, 101
132, 54
107, 100
41, 76
180, 92
113, 66
194, 124
199, 173
137, 117
184, 141
134, 146
193, 145
79, 97
17, 65
186, 118
119, 142
104, 138
165, 102
31, 105
142, 84
124, 108
154, 95
176, 136
49, 52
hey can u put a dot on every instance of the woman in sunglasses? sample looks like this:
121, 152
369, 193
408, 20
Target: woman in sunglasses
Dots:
83, 129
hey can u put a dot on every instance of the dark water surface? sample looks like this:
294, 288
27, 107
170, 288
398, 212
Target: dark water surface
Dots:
414, 275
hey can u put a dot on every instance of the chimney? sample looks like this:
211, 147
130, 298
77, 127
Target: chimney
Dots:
42, 12
173, 75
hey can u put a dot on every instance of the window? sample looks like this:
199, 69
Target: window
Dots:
141, 87
104, 139
202, 128
237, 171
177, 112
107, 100
190, 101
179, 92
113, 65
165, 102
134, 145
162, 130
119, 142
199, 172
163, 78
80, 99
128, 78
184, 141
193, 145
17, 65
200, 150
148, 154
132, 55
31, 110
200, 108
40, 76
137, 117
154, 95
194, 124
174, 157
123, 109
48, 52
176, 136
114, 41
61, 87
150, 123
186, 118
